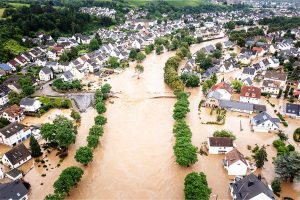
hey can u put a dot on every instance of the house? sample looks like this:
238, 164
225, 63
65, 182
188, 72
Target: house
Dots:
292, 110
67, 76
15, 190
13, 113
220, 91
30, 105
237, 106
263, 122
4, 90
14, 134
45, 74
14, 174
270, 87
250, 94
248, 72
259, 51
276, 76
5, 67
219, 145
235, 163
16, 156
251, 188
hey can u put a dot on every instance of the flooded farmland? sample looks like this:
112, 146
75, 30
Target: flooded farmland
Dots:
135, 157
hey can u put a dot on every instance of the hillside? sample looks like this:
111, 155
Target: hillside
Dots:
177, 3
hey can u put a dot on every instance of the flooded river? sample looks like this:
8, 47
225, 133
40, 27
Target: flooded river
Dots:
135, 159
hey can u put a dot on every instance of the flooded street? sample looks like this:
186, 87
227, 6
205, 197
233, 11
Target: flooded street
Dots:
135, 158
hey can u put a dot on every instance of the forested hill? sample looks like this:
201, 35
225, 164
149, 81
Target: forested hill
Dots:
28, 20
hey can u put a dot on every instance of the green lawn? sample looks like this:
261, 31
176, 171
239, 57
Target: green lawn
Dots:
1, 12
17, 5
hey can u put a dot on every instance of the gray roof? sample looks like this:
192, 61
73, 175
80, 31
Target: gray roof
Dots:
215, 95
11, 129
291, 108
263, 117
249, 187
27, 102
248, 70
68, 75
14, 173
16, 154
13, 190
236, 105
46, 70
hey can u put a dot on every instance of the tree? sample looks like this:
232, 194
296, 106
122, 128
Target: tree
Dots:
190, 80
54, 197
105, 89
224, 133
296, 135
84, 155
139, 69
219, 46
196, 187
287, 166
237, 85
93, 141
149, 48
133, 54
276, 186
99, 40
3, 122
113, 62
68, 178
159, 49
230, 25
14, 98
60, 131
140, 57
100, 120
94, 45
260, 156
100, 107
217, 54
35, 148
75, 115
96, 130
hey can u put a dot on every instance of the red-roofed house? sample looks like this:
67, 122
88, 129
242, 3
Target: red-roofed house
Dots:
259, 51
21, 60
250, 94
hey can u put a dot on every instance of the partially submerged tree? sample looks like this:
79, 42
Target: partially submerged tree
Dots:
196, 187
35, 148
287, 166
224, 133
139, 69
84, 155
260, 156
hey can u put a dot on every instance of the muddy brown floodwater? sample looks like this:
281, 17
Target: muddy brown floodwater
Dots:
135, 159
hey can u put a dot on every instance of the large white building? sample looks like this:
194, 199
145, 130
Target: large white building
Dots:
14, 134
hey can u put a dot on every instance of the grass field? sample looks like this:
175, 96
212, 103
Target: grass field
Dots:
177, 3
1, 12
17, 5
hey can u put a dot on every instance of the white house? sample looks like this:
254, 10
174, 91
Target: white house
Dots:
250, 94
219, 145
263, 122
67, 76
16, 157
279, 77
45, 74
271, 87
251, 188
4, 90
14, 190
235, 163
13, 113
14, 134
292, 110
248, 72
30, 105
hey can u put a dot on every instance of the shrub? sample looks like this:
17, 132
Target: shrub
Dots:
276, 186
84, 155
100, 120
296, 135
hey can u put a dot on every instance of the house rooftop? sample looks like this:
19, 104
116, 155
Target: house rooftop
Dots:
233, 156
249, 187
18, 153
220, 142
13, 190
222, 85
251, 92
11, 129
292, 108
279, 76
13, 110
